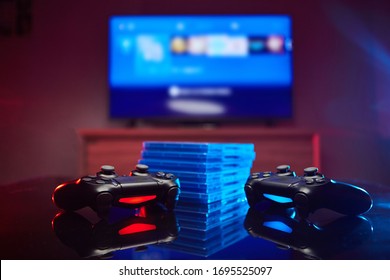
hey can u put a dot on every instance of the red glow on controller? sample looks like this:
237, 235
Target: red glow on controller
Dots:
56, 189
60, 186
55, 217
131, 173
136, 199
136, 228
141, 212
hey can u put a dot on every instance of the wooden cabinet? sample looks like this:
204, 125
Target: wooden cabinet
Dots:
273, 146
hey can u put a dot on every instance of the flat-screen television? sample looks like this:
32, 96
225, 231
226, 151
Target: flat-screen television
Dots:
200, 67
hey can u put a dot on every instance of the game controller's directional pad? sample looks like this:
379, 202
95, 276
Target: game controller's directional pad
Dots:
306, 193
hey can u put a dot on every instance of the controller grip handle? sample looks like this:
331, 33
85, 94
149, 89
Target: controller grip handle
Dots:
345, 199
68, 196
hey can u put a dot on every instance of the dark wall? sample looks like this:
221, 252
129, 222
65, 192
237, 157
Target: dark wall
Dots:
53, 80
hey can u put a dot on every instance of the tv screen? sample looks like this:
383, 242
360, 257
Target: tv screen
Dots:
206, 68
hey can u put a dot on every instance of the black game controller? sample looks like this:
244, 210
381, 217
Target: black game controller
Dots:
103, 238
106, 189
306, 193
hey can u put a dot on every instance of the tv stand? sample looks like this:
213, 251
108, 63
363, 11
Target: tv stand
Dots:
273, 146
141, 124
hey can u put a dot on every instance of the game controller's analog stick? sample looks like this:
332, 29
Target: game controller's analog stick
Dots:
284, 170
107, 171
107, 189
307, 193
310, 171
140, 170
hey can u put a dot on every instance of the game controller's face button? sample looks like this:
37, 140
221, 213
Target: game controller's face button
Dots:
310, 171
309, 181
105, 179
160, 174
100, 181
169, 176
254, 175
267, 174
320, 180
283, 168
86, 179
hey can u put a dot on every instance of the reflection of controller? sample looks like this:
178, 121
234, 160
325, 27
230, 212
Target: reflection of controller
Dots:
315, 242
103, 238
106, 189
306, 193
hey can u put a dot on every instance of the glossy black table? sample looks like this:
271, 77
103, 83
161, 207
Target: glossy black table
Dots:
33, 228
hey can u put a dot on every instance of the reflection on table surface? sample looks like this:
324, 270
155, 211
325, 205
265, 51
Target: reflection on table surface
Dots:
33, 228
314, 241
94, 237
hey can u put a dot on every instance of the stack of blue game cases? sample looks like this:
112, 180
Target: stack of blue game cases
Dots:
212, 203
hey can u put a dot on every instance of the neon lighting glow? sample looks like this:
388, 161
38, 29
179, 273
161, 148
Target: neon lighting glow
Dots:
278, 226
142, 212
292, 214
136, 228
55, 217
136, 199
60, 186
277, 198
